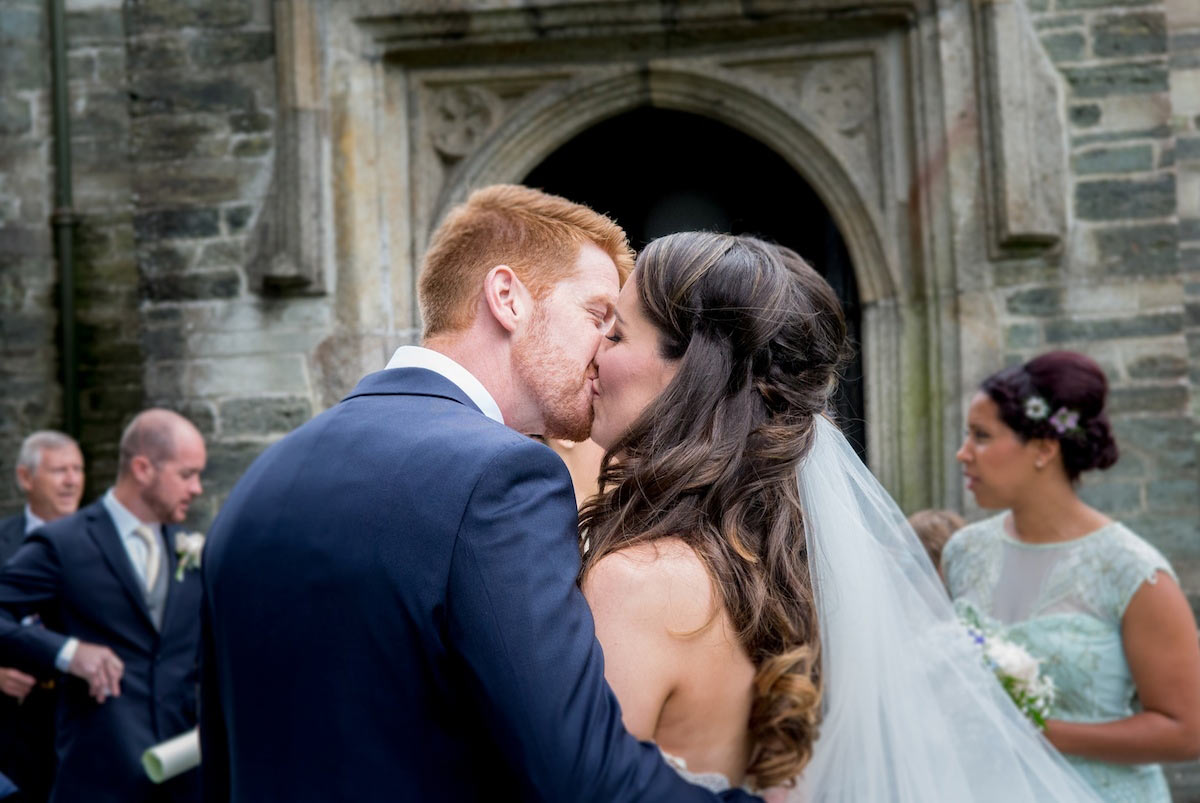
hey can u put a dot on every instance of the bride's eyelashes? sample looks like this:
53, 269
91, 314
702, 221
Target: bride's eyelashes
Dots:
615, 337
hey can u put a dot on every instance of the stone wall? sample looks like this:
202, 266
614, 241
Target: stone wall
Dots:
1119, 291
29, 391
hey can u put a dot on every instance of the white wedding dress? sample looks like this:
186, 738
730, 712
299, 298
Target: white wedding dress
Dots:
910, 713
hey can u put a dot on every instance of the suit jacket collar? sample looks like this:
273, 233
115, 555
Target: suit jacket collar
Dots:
101, 529
411, 382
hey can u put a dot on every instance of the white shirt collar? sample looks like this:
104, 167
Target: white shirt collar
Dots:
123, 519
32, 520
421, 357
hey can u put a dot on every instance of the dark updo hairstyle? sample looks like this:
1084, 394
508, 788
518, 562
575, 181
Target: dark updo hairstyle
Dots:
1065, 380
758, 337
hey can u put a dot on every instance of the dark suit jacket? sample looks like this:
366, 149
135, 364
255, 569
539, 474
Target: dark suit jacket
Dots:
76, 575
26, 727
391, 614
12, 533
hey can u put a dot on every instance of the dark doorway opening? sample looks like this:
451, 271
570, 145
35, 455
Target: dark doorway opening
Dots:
657, 172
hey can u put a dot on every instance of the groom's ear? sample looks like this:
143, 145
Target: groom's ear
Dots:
508, 299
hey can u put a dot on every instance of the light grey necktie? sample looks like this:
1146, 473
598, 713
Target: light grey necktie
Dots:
153, 553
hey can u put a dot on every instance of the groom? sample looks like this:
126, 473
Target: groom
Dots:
391, 610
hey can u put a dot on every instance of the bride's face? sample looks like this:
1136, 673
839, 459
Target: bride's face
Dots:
631, 369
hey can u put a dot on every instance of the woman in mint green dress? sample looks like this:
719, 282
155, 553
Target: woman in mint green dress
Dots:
1097, 604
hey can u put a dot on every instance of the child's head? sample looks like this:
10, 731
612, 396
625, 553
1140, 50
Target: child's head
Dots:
934, 528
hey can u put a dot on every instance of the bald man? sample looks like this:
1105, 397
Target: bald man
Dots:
120, 623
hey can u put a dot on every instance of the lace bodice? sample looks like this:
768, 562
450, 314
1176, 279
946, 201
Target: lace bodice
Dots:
1064, 602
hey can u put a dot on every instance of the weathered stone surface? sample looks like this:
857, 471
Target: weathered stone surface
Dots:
163, 94
1114, 498
1117, 79
170, 138
263, 416
1129, 159
172, 223
1066, 46
1159, 366
1121, 35
1058, 21
157, 54
222, 253
155, 15
1139, 250
24, 65
90, 27
1086, 4
1085, 116
1022, 336
1157, 399
192, 286
1187, 149
236, 217
1040, 301
250, 122
1112, 199
222, 49
1157, 132
252, 147
1164, 323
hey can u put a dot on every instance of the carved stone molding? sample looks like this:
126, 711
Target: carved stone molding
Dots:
1024, 134
461, 116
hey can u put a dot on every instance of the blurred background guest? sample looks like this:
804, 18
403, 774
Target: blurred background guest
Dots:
117, 613
50, 476
934, 528
1096, 603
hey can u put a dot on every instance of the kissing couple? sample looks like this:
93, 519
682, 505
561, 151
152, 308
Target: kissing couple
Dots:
402, 603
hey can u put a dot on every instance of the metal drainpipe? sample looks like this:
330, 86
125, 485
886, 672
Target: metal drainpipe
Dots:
64, 219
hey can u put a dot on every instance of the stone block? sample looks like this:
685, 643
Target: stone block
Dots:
1064, 5
221, 254
1058, 21
1113, 199
1085, 116
1114, 498
237, 217
92, 27
157, 55
15, 116
24, 65
1189, 228
165, 138
1175, 535
1064, 46
1069, 330
1166, 441
21, 24
1128, 467
153, 16
1019, 336
1037, 301
1192, 313
223, 49
263, 416
192, 286
168, 224
1185, 92
1139, 250
1157, 132
193, 181
104, 115
1127, 159
259, 374
250, 122
1136, 78
1122, 35
1182, 494
1158, 366
1148, 399
252, 147
164, 343
152, 93
1187, 149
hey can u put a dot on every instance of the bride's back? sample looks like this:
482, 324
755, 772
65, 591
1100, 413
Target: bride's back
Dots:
672, 655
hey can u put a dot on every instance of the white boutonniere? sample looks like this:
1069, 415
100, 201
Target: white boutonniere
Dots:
188, 549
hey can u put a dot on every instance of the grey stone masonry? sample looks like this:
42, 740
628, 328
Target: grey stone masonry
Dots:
1128, 292
29, 389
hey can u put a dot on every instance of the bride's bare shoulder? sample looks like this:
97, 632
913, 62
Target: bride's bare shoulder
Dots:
662, 580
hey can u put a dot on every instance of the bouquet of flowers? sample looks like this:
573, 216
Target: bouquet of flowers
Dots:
1018, 672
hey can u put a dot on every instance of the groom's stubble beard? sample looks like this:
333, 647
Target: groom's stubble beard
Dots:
560, 389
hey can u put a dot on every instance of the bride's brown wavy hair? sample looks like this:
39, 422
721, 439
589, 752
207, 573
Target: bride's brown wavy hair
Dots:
759, 337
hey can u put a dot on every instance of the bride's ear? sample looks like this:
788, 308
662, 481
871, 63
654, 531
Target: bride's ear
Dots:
507, 298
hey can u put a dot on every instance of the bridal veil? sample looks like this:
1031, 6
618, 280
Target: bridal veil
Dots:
911, 715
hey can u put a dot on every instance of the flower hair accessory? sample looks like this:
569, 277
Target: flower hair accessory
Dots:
1065, 421
1036, 408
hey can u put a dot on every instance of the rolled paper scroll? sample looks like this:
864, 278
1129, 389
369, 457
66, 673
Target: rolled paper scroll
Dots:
172, 757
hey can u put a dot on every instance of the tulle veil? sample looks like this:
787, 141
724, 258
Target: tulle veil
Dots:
911, 715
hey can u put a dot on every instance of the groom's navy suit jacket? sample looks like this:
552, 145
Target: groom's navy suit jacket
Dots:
76, 575
391, 614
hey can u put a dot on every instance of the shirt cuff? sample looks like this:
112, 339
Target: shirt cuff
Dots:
63, 661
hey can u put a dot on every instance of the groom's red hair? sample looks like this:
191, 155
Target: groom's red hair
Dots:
536, 234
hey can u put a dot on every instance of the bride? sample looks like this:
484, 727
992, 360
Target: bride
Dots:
766, 614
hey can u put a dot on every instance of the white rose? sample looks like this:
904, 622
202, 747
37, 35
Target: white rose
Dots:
1013, 660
